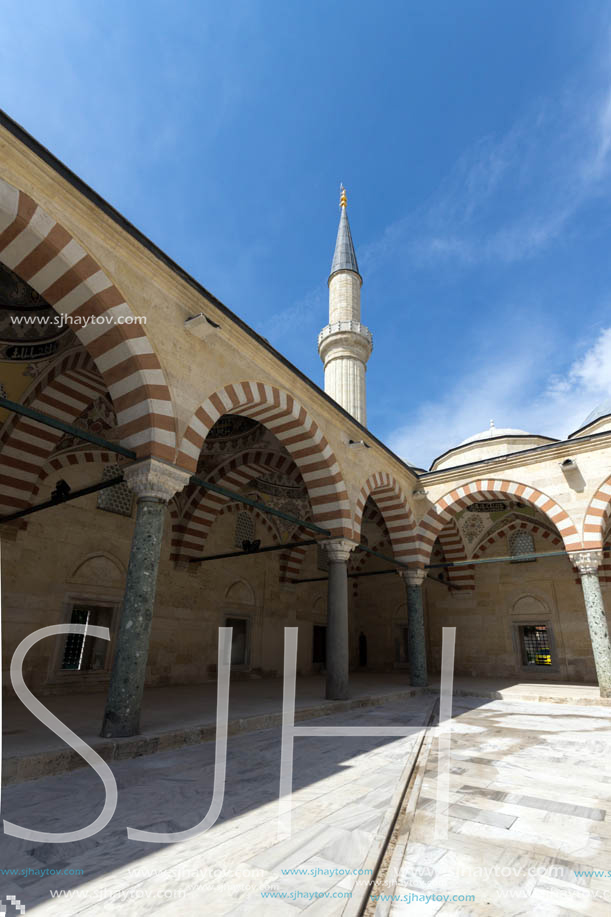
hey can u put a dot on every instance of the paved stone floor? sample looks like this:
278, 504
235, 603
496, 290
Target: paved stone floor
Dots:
530, 806
188, 706
530, 792
342, 791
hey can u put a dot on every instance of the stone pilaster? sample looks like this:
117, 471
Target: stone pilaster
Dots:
338, 551
588, 564
154, 484
416, 642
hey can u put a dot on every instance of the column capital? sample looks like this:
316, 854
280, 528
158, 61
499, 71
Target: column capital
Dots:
414, 577
151, 478
589, 561
338, 549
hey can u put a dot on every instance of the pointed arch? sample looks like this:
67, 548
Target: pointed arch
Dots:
189, 532
394, 508
449, 505
65, 390
295, 429
521, 525
45, 255
90, 456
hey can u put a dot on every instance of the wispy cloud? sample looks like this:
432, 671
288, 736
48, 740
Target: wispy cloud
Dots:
509, 197
513, 395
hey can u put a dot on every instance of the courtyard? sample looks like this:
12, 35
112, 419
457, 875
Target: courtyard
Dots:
527, 825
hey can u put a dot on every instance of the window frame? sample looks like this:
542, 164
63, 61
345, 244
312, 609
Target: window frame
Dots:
541, 670
56, 674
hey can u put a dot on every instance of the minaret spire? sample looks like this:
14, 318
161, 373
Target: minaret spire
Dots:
345, 344
344, 258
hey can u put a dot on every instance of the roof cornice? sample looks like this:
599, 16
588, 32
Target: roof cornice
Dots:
559, 449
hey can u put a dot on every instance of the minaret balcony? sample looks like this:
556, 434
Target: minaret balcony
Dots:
348, 337
355, 327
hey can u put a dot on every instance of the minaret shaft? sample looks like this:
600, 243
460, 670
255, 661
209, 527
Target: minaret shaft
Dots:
345, 344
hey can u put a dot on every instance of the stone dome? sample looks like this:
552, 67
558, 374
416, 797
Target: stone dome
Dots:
493, 433
490, 443
597, 421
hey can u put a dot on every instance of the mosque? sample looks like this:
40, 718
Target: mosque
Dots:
165, 472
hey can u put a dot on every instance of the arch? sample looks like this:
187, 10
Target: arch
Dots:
447, 507
596, 519
298, 433
259, 516
454, 551
525, 525
45, 255
74, 457
240, 592
189, 533
104, 568
64, 390
291, 560
394, 508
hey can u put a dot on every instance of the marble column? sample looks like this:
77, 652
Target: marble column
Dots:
338, 641
155, 483
588, 564
416, 643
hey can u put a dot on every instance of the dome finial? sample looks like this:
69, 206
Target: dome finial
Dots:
343, 200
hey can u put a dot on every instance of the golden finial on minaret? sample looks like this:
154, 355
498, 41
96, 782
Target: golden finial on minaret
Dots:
343, 200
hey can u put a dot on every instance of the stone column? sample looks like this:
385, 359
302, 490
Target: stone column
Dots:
154, 482
338, 551
416, 643
588, 564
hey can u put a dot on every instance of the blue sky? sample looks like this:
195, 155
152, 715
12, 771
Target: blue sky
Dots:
474, 139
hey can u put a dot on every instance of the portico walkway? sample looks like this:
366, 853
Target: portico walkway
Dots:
185, 715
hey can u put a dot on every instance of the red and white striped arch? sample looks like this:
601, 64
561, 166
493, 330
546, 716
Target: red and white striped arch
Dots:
43, 253
261, 518
523, 525
392, 504
291, 560
189, 533
597, 517
77, 457
454, 551
64, 390
298, 433
487, 489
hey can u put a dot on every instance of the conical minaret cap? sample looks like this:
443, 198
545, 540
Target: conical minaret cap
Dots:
344, 258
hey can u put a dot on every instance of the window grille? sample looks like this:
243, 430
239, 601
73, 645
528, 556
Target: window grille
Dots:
118, 499
244, 529
535, 644
521, 543
82, 652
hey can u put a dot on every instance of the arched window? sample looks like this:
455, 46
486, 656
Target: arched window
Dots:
521, 543
244, 529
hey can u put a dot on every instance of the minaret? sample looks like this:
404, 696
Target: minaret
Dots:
345, 345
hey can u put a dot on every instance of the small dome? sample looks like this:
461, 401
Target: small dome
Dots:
493, 432
601, 410
598, 421
490, 443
